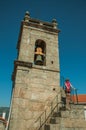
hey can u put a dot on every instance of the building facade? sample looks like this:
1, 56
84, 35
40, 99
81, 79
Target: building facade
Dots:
36, 76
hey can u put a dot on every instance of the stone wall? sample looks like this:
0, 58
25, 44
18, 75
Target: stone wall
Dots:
34, 87
73, 119
27, 46
33, 93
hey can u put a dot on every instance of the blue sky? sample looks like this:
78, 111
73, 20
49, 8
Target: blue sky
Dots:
71, 17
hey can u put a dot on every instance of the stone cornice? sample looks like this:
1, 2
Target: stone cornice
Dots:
43, 26
20, 63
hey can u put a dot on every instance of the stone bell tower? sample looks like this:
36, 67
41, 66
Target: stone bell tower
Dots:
36, 76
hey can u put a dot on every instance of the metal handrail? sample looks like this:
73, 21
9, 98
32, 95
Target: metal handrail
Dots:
47, 113
74, 95
54, 105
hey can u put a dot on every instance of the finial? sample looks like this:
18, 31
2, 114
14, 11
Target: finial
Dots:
54, 22
27, 16
27, 13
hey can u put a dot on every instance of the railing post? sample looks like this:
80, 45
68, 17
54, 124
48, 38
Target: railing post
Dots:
72, 96
57, 102
51, 107
76, 95
45, 115
40, 121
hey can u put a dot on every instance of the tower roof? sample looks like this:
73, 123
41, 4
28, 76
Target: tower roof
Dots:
50, 26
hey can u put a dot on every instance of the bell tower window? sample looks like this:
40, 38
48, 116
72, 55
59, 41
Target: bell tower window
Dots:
40, 52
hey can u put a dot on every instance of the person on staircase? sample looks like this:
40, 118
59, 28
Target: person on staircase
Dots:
68, 88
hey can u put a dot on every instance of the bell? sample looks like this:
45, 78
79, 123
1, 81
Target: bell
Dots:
39, 60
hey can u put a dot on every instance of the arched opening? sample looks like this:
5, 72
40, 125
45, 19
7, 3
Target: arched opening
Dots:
40, 52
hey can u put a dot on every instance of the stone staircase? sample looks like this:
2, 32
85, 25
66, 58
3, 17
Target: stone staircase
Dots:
72, 119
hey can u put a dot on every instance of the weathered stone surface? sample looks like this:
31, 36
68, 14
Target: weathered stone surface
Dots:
69, 120
34, 88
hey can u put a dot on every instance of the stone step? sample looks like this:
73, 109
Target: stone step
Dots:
72, 119
67, 124
56, 114
47, 127
52, 127
55, 120
73, 114
77, 106
72, 123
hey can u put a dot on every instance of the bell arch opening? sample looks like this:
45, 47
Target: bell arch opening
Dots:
40, 52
